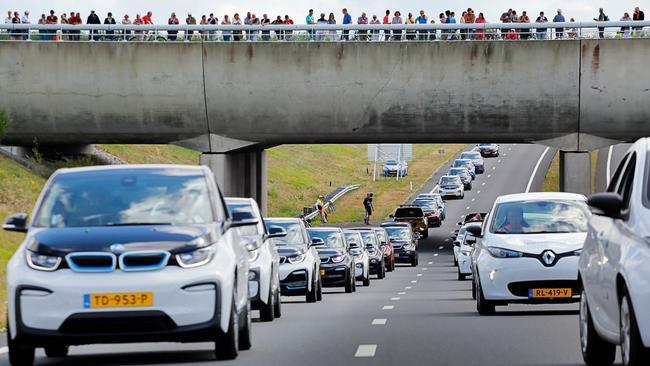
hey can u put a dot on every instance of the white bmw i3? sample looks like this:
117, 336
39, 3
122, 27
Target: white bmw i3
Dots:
125, 254
528, 250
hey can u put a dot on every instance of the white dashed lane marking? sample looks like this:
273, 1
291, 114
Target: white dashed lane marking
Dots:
407, 288
425, 269
467, 208
440, 247
388, 307
414, 281
478, 192
366, 350
401, 293
379, 321
489, 175
483, 183
430, 263
419, 274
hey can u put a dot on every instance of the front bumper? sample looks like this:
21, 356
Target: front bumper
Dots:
294, 283
375, 266
485, 153
504, 279
434, 221
334, 275
404, 255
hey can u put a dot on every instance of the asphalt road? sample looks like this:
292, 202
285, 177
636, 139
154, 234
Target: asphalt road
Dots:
608, 160
416, 316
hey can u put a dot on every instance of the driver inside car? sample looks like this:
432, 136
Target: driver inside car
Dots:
514, 222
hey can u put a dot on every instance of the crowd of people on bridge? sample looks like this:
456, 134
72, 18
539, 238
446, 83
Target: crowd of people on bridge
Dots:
537, 29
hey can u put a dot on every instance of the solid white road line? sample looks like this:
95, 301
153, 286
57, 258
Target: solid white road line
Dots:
366, 350
609, 164
4, 350
419, 275
394, 299
407, 287
388, 307
532, 176
401, 293
379, 321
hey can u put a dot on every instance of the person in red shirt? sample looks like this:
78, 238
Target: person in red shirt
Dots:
386, 20
288, 33
51, 19
147, 18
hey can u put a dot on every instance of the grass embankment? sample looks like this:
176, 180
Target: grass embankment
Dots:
552, 179
153, 154
298, 174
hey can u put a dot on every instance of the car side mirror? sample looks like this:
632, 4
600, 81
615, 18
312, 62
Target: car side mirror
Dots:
475, 230
16, 223
608, 204
276, 232
391, 216
456, 243
246, 222
317, 242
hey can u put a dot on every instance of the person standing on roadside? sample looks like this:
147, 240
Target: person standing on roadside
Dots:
559, 18
638, 16
541, 32
368, 208
190, 20
626, 30
126, 21
25, 20
602, 17
320, 206
410, 33
237, 35
397, 19
93, 19
525, 33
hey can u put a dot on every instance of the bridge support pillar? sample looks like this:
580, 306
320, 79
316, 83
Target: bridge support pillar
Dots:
575, 172
240, 174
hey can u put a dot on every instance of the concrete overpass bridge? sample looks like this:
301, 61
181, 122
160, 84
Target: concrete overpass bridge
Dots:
232, 100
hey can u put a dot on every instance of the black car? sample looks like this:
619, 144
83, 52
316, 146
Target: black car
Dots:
486, 150
404, 242
336, 261
375, 253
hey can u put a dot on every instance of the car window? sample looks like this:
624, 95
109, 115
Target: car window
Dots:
332, 239
244, 211
353, 239
369, 238
409, 212
115, 198
627, 182
399, 233
295, 234
617, 174
540, 216
449, 180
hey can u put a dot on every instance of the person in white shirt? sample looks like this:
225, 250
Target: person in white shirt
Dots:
10, 16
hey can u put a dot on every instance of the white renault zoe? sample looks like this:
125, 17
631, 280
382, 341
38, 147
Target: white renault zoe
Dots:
528, 250
125, 254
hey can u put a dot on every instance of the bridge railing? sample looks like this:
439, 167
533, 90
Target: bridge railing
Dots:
326, 33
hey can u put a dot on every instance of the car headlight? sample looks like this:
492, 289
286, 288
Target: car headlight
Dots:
504, 253
338, 258
195, 258
42, 262
253, 255
296, 258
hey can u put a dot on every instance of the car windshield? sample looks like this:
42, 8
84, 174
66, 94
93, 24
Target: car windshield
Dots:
485, 145
448, 181
458, 171
408, 212
398, 233
369, 238
426, 204
381, 236
470, 155
243, 211
391, 162
460, 163
129, 197
333, 239
353, 239
542, 216
295, 235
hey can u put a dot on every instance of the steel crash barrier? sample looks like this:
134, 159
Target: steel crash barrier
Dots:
335, 195
326, 33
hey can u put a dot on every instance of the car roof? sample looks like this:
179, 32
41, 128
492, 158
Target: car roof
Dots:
540, 196
239, 200
450, 176
395, 223
325, 228
283, 219
463, 160
127, 167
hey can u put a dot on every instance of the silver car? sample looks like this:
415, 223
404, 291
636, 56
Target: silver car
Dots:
477, 160
450, 186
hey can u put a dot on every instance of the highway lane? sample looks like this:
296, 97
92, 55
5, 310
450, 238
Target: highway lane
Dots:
421, 315
608, 160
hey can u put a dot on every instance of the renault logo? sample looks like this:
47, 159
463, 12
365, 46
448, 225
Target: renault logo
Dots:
117, 248
548, 257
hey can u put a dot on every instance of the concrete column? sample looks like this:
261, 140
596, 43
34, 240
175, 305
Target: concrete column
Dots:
240, 174
575, 172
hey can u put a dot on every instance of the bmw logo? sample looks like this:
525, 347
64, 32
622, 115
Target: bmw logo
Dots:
117, 248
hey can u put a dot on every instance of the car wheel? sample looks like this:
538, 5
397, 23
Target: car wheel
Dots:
278, 305
348, 283
461, 277
56, 351
595, 350
633, 352
483, 306
455, 262
19, 354
319, 294
425, 234
312, 295
473, 289
227, 344
354, 284
381, 271
246, 324
267, 311
366, 280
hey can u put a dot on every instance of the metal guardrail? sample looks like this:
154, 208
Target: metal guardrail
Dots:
341, 191
324, 32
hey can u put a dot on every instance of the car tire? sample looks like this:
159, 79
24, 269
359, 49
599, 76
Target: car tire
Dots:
312, 295
319, 294
56, 351
366, 280
483, 306
414, 261
354, 284
277, 310
633, 352
246, 324
381, 271
19, 354
267, 311
348, 283
455, 262
227, 344
473, 289
595, 350
425, 234
461, 276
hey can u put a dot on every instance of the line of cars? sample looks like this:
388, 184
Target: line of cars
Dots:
156, 253
547, 248
464, 170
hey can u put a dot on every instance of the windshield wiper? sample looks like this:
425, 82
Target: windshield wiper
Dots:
138, 223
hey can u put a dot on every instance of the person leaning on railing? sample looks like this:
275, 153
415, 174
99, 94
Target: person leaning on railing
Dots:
126, 21
237, 35
363, 20
172, 35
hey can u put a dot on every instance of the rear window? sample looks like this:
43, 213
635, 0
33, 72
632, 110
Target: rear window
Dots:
409, 212
470, 155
